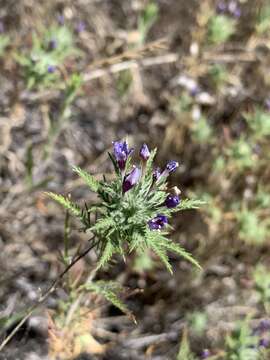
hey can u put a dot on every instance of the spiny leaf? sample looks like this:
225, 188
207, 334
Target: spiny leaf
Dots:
110, 290
190, 204
88, 179
106, 255
171, 246
66, 203
162, 254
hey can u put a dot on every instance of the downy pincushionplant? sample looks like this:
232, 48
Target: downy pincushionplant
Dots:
132, 214
133, 210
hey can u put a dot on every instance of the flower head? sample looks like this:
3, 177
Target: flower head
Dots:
158, 222
131, 179
121, 153
172, 165
172, 201
144, 152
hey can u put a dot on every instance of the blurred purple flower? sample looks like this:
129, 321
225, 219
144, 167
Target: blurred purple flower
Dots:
131, 179
80, 27
172, 201
158, 222
2, 27
234, 8
51, 69
264, 342
144, 152
264, 325
267, 103
52, 45
156, 174
60, 19
221, 6
205, 354
121, 153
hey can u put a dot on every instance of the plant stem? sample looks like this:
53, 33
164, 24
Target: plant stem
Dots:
47, 293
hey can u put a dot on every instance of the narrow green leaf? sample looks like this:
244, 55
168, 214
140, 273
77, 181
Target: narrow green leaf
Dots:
66, 203
88, 179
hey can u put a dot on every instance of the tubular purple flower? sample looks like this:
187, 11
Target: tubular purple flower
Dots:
131, 179
172, 201
144, 152
121, 153
158, 222
172, 165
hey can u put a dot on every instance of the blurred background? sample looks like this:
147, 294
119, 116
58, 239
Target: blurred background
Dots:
191, 78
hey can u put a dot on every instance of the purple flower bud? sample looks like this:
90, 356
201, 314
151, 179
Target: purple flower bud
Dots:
172, 201
121, 153
264, 342
144, 152
172, 165
131, 179
156, 174
80, 27
234, 9
158, 222
51, 69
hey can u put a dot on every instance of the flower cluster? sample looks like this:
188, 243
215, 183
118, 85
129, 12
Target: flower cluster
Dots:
121, 154
133, 209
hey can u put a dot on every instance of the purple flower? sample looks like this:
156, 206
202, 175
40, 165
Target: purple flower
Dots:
158, 222
156, 174
80, 27
51, 69
267, 103
171, 166
264, 325
221, 6
2, 27
234, 9
131, 179
52, 45
144, 152
60, 19
172, 201
205, 354
121, 153
264, 342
